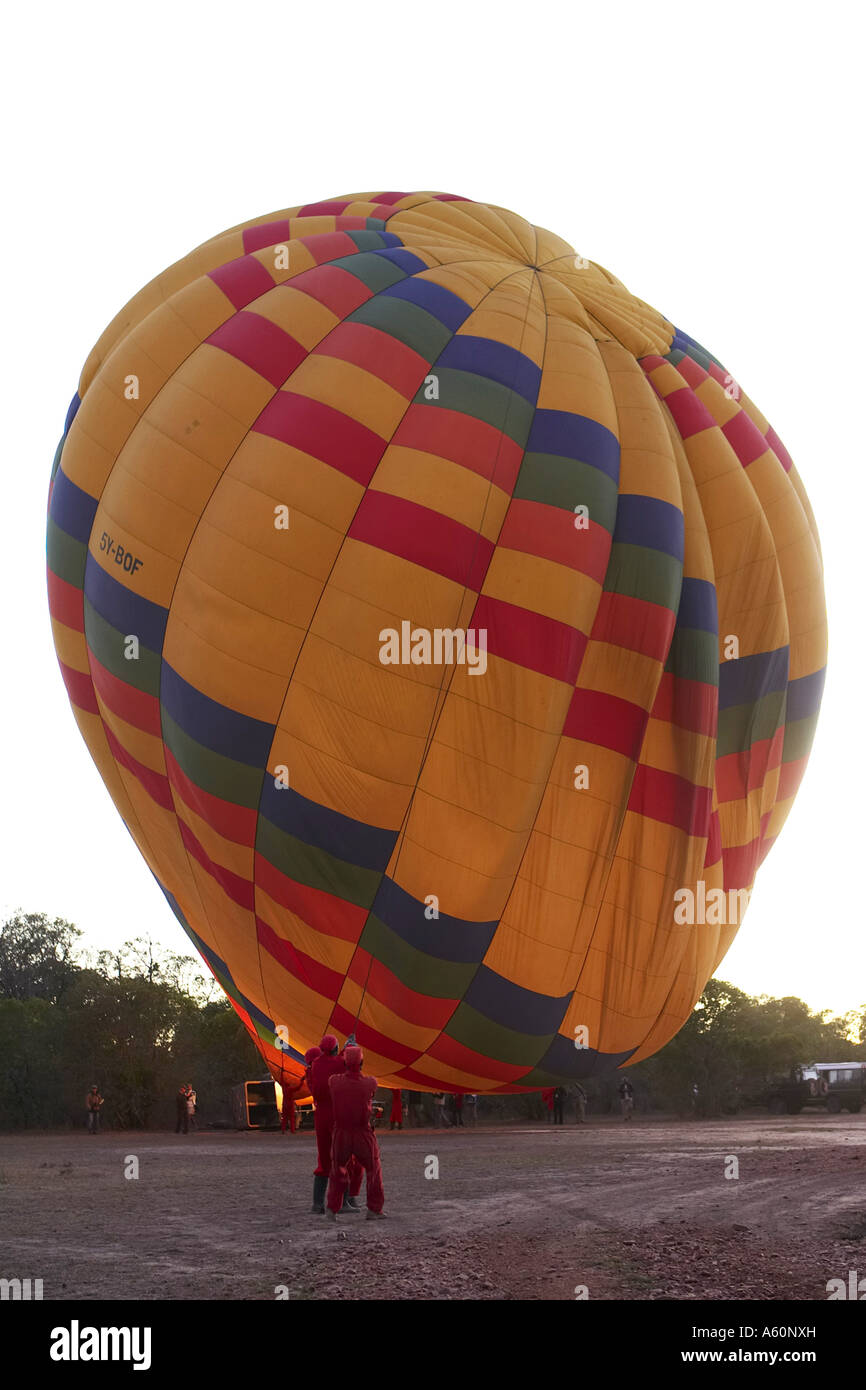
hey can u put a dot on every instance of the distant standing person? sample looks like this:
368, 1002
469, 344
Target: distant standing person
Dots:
191, 1105
547, 1097
471, 1100
579, 1103
558, 1104
94, 1105
397, 1109
626, 1099
458, 1110
182, 1125
440, 1119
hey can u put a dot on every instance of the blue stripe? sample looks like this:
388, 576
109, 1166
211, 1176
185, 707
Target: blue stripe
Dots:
496, 361
404, 260
72, 509
352, 841
447, 938
698, 606
512, 1006
649, 521
804, 696
562, 1058
72, 411
448, 308
124, 610
574, 437
746, 680
215, 726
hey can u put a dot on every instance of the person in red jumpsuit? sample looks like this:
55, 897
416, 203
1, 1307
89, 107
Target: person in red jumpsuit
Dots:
329, 1063
287, 1117
397, 1109
352, 1101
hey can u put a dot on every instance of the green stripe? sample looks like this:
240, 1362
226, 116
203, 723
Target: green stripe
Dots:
430, 975
108, 646
368, 240
568, 483
407, 322
640, 572
744, 725
212, 772
694, 655
798, 738
482, 399
67, 557
474, 1030
314, 867
376, 272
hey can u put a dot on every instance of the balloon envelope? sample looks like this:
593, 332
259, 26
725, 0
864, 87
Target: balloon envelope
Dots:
447, 627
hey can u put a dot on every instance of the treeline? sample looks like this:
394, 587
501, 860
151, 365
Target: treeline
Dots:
138, 1022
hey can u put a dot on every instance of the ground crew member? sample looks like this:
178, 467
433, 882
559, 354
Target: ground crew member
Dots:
94, 1103
397, 1109
329, 1063
579, 1103
352, 1100
626, 1099
182, 1111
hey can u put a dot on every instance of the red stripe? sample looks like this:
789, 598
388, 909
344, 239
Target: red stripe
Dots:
260, 344
310, 972
344, 1022
535, 528
325, 209
235, 823
691, 372
424, 537
324, 432
242, 280
65, 602
333, 287
741, 861
714, 842
387, 199
779, 450
652, 362
607, 721
133, 706
378, 353
462, 439
154, 783
329, 246
744, 438
79, 688
670, 799
690, 414
790, 777
455, 1054
266, 234
383, 985
530, 639
239, 889
322, 911
634, 623
692, 705
739, 773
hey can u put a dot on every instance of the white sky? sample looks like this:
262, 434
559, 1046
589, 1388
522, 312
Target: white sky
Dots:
710, 156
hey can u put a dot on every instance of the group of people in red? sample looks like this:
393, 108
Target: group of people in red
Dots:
346, 1144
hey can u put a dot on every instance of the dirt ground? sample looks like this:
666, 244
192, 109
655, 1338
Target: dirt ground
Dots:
629, 1211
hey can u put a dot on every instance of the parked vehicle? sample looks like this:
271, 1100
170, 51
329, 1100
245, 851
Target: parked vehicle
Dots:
836, 1085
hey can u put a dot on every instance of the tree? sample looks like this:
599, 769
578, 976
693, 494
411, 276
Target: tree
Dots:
38, 957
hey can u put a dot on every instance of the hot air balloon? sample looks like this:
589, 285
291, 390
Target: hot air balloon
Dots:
447, 627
